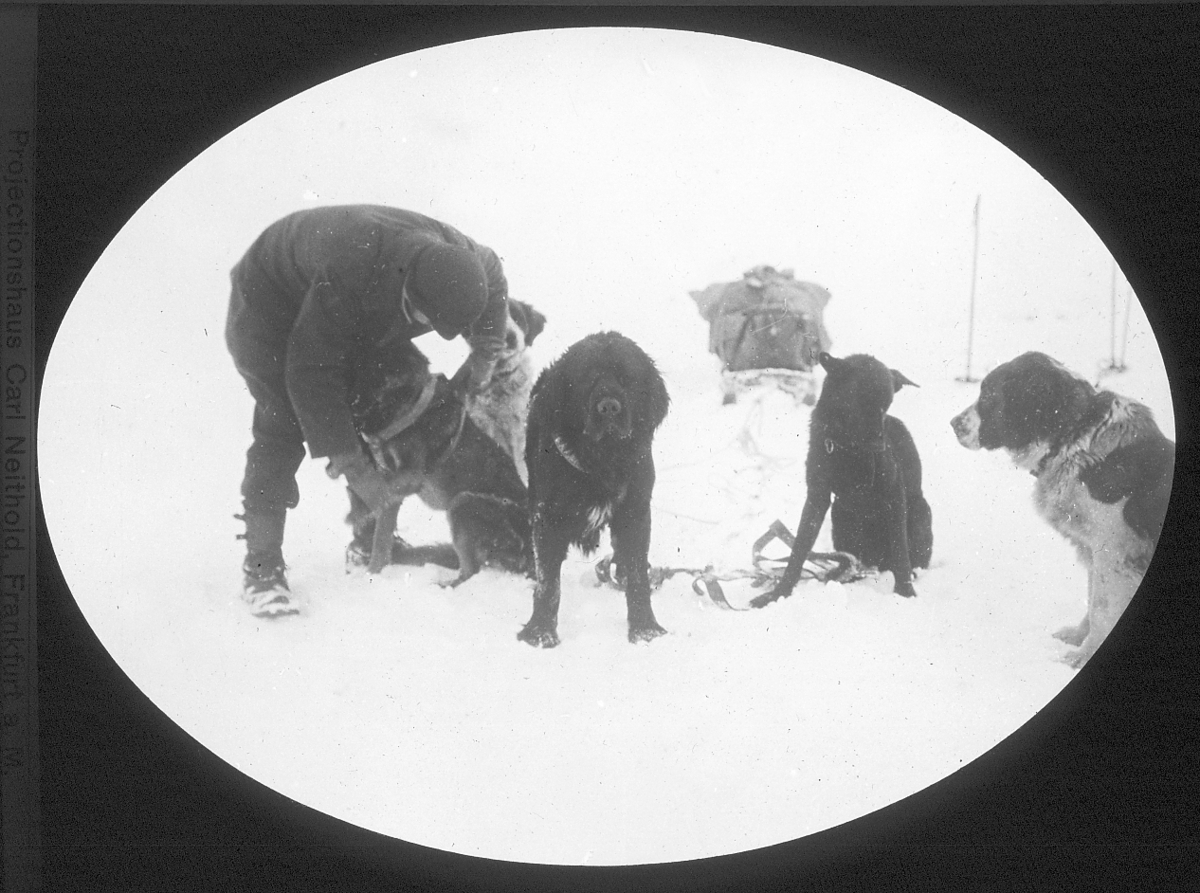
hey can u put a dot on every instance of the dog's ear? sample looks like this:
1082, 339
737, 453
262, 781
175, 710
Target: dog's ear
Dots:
658, 400
535, 322
830, 362
516, 312
650, 400
1048, 402
552, 389
530, 321
899, 380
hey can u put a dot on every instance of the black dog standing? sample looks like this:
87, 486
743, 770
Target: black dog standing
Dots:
867, 461
592, 420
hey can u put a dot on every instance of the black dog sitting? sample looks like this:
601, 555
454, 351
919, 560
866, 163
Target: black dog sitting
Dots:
867, 461
592, 420
420, 435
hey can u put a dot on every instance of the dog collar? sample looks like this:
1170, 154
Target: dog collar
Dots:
406, 419
1042, 463
565, 452
831, 445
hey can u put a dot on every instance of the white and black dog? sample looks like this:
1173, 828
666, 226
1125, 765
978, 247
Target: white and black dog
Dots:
1103, 474
500, 409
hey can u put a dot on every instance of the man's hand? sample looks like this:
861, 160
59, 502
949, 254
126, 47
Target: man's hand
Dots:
479, 365
365, 480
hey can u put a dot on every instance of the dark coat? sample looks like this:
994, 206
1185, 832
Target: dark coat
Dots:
321, 286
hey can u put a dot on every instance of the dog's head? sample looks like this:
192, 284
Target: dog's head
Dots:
855, 399
385, 381
426, 433
610, 386
1029, 401
525, 324
410, 415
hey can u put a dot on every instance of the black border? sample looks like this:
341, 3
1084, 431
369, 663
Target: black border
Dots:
1098, 790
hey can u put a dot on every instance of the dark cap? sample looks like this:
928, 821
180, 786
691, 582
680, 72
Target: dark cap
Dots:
448, 285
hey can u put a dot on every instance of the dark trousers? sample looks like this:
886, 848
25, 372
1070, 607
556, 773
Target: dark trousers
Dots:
259, 349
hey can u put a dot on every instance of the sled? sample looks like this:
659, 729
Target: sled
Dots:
800, 385
767, 330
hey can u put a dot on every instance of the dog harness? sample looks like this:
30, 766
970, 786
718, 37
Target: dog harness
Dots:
406, 419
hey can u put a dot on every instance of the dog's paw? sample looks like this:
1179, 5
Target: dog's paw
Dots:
457, 581
538, 636
761, 601
645, 633
1072, 635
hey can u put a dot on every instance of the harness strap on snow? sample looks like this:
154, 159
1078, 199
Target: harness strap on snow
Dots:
704, 582
828, 566
839, 567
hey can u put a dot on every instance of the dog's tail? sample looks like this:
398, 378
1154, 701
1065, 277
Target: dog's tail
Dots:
441, 554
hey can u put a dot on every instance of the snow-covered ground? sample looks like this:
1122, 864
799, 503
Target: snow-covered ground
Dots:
610, 188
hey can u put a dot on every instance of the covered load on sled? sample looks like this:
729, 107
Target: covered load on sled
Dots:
767, 328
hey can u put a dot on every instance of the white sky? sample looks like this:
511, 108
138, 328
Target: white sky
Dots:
614, 170
611, 167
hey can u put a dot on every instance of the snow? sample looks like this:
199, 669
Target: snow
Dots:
611, 188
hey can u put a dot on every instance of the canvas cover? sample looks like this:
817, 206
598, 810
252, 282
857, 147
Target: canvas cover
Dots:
767, 320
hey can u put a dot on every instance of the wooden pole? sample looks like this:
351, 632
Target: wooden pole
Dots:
1112, 319
971, 306
1125, 333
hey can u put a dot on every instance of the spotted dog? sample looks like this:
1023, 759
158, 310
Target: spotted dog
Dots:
1102, 472
500, 409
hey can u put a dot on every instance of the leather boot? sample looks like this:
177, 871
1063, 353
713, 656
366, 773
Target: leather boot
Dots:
264, 584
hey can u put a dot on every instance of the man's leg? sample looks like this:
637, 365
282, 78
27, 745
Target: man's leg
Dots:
268, 490
269, 485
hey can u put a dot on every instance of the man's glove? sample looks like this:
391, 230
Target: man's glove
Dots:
365, 480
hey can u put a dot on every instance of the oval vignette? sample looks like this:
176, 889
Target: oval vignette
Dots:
614, 171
